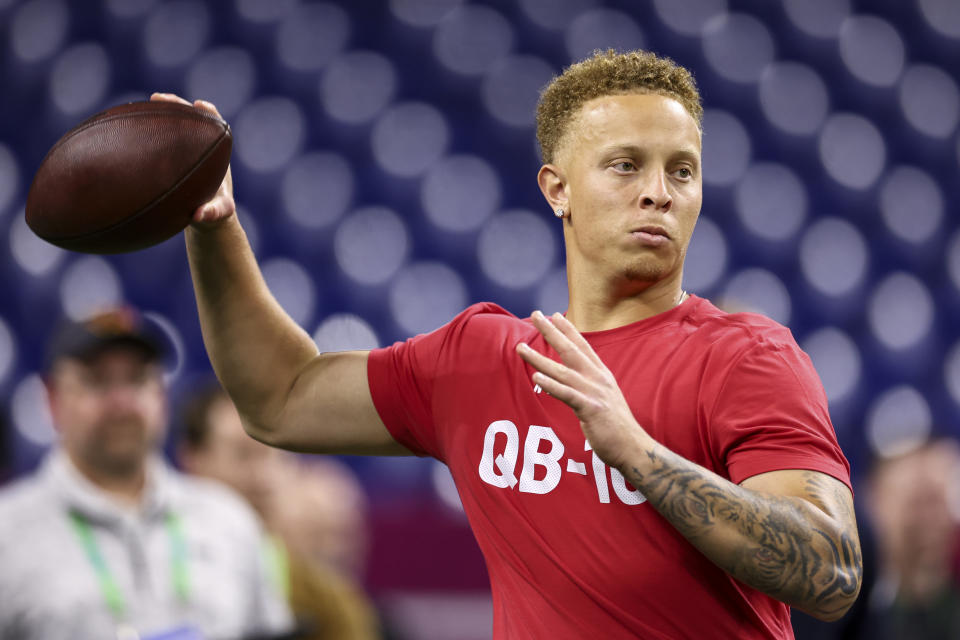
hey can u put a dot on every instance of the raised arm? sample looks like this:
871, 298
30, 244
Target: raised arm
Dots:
288, 395
790, 534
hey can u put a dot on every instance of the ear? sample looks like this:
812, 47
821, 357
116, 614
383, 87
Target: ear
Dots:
553, 185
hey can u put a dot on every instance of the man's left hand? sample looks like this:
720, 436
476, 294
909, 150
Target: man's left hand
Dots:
587, 386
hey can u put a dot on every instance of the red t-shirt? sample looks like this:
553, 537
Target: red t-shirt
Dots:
572, 550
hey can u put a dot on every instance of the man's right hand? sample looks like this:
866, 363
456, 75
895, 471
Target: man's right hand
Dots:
222, 205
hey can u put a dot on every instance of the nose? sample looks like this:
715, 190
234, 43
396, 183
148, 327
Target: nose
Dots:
654, 194
122, 396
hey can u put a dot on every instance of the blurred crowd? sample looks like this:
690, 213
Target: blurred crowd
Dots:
229, 538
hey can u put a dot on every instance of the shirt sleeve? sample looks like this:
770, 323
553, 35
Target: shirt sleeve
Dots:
402, 378
770, 413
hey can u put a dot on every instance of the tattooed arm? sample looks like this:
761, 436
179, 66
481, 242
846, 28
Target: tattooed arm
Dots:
790, 534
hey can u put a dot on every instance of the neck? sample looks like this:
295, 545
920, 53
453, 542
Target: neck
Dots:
597, 308
123, 487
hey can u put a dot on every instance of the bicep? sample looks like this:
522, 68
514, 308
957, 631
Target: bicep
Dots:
828, 494
329, 409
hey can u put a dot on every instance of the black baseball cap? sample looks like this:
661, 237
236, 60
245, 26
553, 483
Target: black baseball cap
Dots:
116, 327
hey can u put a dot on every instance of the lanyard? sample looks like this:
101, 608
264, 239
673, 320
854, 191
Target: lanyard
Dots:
108, 585
278, 564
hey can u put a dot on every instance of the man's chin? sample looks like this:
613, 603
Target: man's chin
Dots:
646, 272
123, 455
122, 464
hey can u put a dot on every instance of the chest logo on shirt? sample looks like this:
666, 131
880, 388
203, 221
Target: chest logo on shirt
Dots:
541, 471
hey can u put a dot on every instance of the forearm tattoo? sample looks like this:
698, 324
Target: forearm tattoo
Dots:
768, 542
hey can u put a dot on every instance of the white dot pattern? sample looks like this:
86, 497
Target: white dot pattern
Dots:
689, 18
852, 150
738, 46
819, 18
602, 29
771, 201
176, 32
357, 86
872, 50
911, 204
80, 79
900, 311
345, 332
726, 148
90, 284
930, 100
837, 360
409, 138
425, 295
472, 39
899, 420
38, 29
371, 244
706, 260
516, 249
833, 256
794, 97
317, 189
760, 291
460, 192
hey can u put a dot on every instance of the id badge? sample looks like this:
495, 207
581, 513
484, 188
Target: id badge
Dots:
180, 633
126, 632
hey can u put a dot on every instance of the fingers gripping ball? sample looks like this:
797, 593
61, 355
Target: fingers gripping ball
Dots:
129, 177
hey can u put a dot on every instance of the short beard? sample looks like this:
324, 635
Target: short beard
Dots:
119, 465
644, 271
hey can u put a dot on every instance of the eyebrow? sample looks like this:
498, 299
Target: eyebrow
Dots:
684, 153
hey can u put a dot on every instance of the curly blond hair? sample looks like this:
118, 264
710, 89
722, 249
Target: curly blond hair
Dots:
609, 73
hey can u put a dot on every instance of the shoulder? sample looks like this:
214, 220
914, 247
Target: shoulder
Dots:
739, 332
476, 328
488, 317
17, 495
481, 336
23, 502
750, 351
31, 519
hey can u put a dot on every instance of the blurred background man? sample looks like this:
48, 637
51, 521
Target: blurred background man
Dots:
323, 516
314, 511
105, 540
913, 502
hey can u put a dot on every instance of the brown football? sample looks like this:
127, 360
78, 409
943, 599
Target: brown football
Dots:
129, 177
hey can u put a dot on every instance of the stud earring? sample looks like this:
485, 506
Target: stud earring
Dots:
559, 212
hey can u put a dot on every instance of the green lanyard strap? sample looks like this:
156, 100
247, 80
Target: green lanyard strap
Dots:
178, 558
108, 585
278, 564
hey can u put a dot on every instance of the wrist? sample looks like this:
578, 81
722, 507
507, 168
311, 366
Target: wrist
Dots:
637, 454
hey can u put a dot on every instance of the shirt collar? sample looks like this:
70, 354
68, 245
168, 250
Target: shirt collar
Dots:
80, 494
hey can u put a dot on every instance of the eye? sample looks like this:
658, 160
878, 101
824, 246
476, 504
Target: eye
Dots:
684, 173
625, 166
